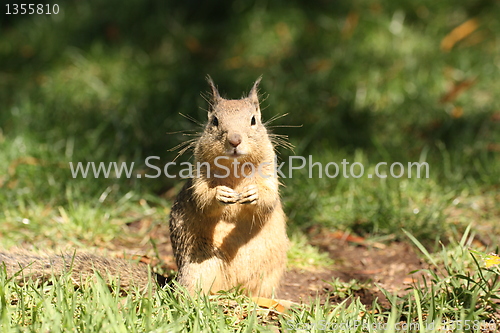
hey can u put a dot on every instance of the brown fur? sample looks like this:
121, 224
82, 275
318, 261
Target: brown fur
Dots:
230, 231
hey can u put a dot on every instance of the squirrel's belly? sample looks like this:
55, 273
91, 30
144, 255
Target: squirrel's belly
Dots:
221, 232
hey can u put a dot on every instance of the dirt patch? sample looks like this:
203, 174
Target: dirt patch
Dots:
375, 268
374, 265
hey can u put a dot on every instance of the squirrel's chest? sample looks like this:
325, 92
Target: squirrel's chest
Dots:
234, 226
221, 233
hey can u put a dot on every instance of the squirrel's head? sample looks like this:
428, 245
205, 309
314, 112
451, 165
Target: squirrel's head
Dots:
234, 129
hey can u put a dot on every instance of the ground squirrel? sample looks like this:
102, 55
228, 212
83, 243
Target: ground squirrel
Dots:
227, 225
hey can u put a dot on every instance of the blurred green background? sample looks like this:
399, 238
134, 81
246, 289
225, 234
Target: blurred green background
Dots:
368, 81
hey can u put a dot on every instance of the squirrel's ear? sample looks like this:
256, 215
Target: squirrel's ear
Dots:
254, 93
214, 92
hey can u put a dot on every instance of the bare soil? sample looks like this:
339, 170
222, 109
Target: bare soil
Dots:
373, 265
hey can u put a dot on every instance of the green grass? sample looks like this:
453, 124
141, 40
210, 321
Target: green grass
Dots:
366, 82
454, 297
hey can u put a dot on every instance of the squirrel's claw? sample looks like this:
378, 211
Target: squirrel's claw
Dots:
226, 195
250, 195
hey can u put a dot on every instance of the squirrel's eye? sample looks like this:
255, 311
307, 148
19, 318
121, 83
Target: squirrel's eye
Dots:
253, 121
215, 121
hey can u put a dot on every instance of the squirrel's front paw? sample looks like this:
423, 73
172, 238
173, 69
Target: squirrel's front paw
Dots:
249, 195
226, 195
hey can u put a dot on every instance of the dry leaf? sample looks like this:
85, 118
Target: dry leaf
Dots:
193, 44
494, 147
320, 65
457, 112
269, 304
346, 237
28, 160
459, 33
457, 89
351, 22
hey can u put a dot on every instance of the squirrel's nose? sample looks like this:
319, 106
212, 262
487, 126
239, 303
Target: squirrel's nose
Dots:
234, 139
